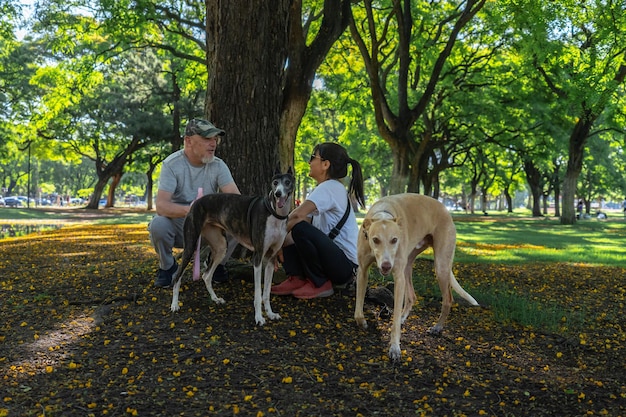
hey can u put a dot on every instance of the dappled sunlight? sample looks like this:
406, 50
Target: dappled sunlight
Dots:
49, 348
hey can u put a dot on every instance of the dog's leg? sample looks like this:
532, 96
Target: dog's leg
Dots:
258, 312
267, 286
207, 277
177, 281
409, 293
443, 271
361, 287
218, 244
399, 290
189, 245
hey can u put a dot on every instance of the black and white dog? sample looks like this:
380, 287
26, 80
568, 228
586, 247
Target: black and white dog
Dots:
259, 224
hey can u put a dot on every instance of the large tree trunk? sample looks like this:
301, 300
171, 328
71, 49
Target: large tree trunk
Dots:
400, 170
508, 199
557, 189
533, 177
305, 57
261, 78
106, 170
152, 164
246, 58
577, 142
115, 180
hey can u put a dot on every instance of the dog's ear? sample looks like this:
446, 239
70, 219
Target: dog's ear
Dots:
365, 226
290, 171
277, 170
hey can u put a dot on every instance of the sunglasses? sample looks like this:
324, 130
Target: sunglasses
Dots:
315, 156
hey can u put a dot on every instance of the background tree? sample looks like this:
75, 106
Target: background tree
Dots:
405, 62
580, 55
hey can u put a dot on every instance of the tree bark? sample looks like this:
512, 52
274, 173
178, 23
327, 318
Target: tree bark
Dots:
304, 60
577, 142
106, 170
115, 180
262, 65
246, 57
533, 177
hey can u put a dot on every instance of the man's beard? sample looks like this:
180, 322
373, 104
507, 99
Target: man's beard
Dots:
207, 159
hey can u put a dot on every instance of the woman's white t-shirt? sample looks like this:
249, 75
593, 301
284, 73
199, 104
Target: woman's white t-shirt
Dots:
331, 199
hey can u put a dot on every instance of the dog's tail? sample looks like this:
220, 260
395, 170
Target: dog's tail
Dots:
459, 290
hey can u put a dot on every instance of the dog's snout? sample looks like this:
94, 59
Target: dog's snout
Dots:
385, 268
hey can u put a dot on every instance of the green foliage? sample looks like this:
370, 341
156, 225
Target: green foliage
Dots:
68, 86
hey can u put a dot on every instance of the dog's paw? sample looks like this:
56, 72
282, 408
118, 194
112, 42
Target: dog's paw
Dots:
260, 320
395, 353
174, 307
218, 300
361, 322
273, 316
435, 330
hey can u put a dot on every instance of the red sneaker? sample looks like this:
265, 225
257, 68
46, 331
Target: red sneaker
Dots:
309, 290
288, 286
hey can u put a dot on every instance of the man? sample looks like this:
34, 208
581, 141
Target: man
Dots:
183, 174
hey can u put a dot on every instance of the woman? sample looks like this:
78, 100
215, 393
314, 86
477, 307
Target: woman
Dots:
313, 259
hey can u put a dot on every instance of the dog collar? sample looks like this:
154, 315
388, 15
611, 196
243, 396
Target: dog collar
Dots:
268, 205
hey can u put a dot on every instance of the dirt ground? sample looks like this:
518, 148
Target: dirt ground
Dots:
85, 333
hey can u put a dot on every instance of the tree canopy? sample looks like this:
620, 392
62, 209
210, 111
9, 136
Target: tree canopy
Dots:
470, 100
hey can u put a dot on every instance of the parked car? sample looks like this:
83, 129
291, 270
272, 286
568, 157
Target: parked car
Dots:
43, 202
13, 202
2, 203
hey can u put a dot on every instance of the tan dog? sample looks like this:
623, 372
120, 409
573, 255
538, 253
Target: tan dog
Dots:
395, 230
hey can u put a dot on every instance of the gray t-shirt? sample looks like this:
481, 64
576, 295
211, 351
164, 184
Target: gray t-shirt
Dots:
182, 179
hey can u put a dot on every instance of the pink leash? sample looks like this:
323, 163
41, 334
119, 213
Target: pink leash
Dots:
196, 259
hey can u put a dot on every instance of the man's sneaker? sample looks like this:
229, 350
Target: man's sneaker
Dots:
309, 290
288, 286
220, 275
164, 277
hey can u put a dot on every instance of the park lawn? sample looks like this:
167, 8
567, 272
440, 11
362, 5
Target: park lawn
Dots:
84, 332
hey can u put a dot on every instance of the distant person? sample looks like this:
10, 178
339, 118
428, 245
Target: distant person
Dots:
183, 173
624, 207
579, 207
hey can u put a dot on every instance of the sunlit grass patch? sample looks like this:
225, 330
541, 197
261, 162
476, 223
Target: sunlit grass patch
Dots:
509, 305
530, 241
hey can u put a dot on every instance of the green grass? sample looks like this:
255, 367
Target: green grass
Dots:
75, 214
518, 241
